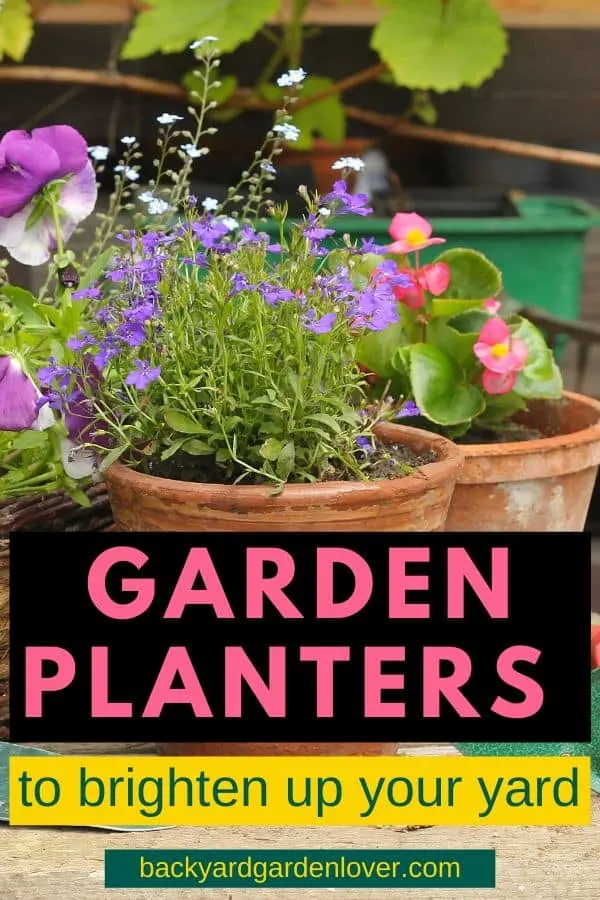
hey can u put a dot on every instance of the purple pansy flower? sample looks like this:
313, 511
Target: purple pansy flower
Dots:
78, 413
79, 461
29, 162
20, 406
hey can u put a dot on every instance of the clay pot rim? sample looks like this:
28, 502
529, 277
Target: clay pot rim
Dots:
446, 467
556, 442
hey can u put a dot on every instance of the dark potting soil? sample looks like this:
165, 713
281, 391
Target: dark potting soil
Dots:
516, 435
385, 461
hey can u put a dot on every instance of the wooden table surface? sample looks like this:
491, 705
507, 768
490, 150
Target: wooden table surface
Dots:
534, 863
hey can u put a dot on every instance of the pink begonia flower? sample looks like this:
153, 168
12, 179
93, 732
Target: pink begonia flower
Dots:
501, 356
27, 164
20, 400
411, 232
434, 278
495, 383
491, 306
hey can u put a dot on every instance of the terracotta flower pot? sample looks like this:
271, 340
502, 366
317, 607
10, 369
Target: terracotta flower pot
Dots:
537, 485
417, 502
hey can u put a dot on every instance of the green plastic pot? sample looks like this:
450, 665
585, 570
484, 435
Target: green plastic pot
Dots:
540, 252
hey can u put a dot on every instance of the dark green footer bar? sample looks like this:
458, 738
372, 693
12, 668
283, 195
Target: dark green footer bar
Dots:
300, 868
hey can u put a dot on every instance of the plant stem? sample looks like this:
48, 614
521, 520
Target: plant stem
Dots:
60, 248
269, 70
294, 35
345, 84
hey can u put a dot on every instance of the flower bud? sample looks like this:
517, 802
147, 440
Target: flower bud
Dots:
68, 277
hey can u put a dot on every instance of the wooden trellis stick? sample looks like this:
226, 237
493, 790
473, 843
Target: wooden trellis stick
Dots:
245, 99
398, 126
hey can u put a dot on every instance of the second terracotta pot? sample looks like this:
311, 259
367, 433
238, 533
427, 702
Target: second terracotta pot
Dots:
539, 485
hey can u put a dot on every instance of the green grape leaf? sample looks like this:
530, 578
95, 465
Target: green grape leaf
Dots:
472, 275
441, 45
16, 29
438, 387
171, 25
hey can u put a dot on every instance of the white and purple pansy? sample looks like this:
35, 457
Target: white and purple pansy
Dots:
21, 404
29, 165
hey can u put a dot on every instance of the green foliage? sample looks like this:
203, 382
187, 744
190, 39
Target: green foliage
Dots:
325, 118
16, 29
541, 378
429, 356
244, 385
33, 331
472, 275
169, 26
222, 88
423, 109
439, 387
440, 45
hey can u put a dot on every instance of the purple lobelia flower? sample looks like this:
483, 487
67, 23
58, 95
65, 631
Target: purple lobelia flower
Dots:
274, 293
346, 204
408, 409
29, 164
316, 232
322, 325
142, 375
365, 445
20, 406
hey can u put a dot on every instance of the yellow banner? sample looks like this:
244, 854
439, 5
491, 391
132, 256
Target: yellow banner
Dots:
448, 790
